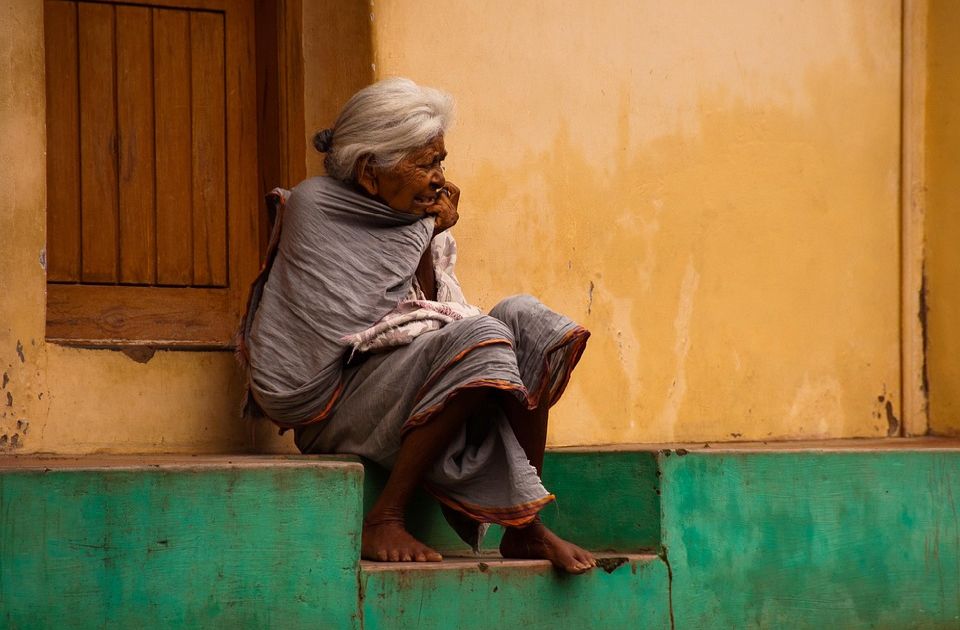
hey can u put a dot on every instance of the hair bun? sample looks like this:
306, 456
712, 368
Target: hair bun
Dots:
323, 140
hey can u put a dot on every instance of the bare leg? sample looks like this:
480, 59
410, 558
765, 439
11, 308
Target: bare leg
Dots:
385, 536
536, 540
530, 428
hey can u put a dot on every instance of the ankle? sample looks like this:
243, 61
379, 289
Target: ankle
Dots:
534, 525
384, 517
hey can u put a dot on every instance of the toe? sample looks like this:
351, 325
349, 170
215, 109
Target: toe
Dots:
394, 555
421, 557
406, 557
382, 555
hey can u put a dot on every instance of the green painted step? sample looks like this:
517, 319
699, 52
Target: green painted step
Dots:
841, 538
493, 593
824, 535
606, 501
179, 543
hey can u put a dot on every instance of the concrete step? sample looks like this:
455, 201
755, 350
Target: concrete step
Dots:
630, 591
853, 534
608, 497
175, 542
606, 501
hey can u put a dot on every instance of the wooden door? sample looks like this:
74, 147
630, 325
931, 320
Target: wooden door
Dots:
151, 170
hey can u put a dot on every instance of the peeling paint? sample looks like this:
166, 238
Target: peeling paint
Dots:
9, 399
817, 406
6, 379
140, 354
611, 564
893, 424
20, 352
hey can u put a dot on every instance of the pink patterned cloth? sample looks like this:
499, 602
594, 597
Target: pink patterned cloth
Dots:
416, 315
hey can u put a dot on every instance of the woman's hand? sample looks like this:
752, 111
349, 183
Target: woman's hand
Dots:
445, 209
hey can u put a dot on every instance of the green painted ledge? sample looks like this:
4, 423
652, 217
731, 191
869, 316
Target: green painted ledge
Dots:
782, 536
192, 545
528, 594
606, 501
810, 539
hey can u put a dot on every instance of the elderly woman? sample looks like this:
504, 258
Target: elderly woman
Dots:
358, 337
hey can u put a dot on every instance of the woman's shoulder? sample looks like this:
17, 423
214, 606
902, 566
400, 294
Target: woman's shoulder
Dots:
314, 185
317, 189
309, 195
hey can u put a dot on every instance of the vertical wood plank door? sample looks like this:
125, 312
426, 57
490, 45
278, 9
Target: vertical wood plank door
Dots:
63, 143
135, 119
151, 170
98, 142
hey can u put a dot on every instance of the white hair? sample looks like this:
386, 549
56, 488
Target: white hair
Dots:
387, 121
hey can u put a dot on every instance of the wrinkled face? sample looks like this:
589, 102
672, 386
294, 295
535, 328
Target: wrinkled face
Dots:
412, 185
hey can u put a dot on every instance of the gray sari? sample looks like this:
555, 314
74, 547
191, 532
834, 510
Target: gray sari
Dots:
338, 262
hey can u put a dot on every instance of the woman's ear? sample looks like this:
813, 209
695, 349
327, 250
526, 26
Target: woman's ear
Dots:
366, 177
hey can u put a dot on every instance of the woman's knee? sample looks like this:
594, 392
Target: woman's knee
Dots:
516, 308
482, 328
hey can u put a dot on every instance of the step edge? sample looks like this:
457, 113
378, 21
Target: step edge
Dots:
706, 447
496, 563
30, 463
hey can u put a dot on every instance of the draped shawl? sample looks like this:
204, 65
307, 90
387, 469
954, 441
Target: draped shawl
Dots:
341, 267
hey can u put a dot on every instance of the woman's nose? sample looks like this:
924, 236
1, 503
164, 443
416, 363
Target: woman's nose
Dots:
437, 179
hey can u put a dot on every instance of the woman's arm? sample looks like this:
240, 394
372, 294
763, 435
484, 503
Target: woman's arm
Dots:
425, 275
446, 216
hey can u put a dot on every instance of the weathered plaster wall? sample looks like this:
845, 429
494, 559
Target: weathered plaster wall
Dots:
22, 297
711, 188
943, 217
71, 400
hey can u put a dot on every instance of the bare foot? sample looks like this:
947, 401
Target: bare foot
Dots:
389, 541
536, 541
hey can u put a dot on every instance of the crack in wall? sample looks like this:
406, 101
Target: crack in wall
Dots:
924, 339
666, 561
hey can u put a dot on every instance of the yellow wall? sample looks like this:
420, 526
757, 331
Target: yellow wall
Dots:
711, 188
57, 399
21, 221
943, 217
